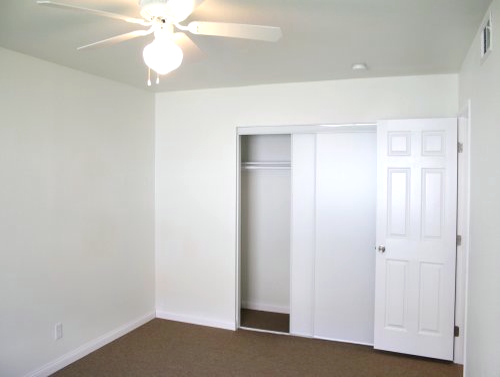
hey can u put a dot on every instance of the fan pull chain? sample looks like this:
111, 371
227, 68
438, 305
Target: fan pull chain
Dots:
149, 76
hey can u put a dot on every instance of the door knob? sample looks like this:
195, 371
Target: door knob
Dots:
381, 249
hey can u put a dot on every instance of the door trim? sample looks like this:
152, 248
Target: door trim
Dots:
463, 221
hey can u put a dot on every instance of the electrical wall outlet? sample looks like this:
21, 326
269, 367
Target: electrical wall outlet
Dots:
58, 331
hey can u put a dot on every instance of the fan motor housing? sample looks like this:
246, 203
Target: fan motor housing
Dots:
170, 10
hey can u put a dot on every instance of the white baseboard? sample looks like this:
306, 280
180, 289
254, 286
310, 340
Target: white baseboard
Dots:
195, 320
89, 347
265, 307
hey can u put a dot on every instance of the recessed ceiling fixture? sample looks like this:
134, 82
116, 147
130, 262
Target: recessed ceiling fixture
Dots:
163, 55
359, 67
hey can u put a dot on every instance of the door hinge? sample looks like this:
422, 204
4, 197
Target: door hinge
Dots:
456, 331
460, 147
459, 240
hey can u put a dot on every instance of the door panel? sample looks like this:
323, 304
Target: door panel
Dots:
398, 194
345, 232
396, 295
432, 202
416, 222
430, 289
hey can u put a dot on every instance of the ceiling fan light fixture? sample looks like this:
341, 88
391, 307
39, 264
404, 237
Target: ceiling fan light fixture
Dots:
172, 10
163, 17
162, 55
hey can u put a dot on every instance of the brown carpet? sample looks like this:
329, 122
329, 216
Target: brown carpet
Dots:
165, 348
255, 319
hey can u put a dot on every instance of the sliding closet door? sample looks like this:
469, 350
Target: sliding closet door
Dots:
345, 236
416, 231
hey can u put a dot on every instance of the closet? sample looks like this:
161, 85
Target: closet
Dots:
325, 249
349, 232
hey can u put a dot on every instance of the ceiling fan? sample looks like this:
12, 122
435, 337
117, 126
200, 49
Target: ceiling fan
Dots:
164, 17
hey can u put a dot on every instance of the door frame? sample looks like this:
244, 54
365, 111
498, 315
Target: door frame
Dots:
463, 223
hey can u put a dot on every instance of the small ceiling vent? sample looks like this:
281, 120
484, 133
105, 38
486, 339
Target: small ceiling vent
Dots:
486, 37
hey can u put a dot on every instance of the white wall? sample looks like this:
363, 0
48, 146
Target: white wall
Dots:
265, 240
480, 82
196, 169
77, 211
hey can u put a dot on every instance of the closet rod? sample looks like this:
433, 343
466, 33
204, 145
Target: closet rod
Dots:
266, 165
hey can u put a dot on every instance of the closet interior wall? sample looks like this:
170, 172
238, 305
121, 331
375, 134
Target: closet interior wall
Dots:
265, 223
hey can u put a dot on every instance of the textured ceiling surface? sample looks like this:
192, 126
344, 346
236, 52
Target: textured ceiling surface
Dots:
322, 39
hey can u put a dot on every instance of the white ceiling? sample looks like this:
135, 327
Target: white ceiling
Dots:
321, 40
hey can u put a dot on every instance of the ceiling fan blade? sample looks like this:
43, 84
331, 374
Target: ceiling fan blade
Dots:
189, 48
96, 12
118, 38
221, 29
197, 3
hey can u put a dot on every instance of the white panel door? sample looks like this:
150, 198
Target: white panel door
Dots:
346, 175
416, 237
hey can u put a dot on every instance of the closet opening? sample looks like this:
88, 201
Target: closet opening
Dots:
265, 200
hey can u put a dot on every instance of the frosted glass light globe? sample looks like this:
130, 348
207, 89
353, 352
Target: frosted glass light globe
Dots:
162, 55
